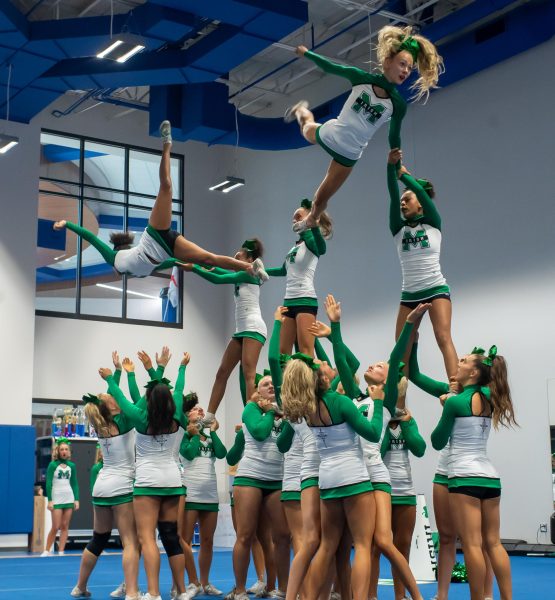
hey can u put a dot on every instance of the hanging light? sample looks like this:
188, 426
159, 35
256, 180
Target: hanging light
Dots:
230, 183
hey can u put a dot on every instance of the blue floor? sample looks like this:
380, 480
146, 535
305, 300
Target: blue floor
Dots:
30, 577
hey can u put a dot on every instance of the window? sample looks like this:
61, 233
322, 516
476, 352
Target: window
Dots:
104, 187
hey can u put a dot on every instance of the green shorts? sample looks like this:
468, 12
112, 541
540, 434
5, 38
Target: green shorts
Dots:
113, 501
62, 506
342, 160
267, 487
382, 487
254, 335
309, 482
153, 491
290, 496
441, 479
344, 491
202, 506
403, 500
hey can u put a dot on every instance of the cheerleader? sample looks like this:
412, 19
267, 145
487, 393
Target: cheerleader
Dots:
250, 329
374, 99
62, 491
159, 430
299, 267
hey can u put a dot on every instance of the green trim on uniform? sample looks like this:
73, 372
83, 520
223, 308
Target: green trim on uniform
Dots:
344, 491
162, 491
441, 479
257, 483
202, 506
290, 496
403, 500
309, 482
290, 302
158, 238
113, 501
68, 505
489, 482
426, 294
250, 334
342, 160
382, 487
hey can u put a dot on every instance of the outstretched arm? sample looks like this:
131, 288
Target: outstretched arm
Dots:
236, 451
227, 277
429, 385
107, 253
395, 220
277, 271
314, 241
399, 112
428, 205
415, 442
353, 74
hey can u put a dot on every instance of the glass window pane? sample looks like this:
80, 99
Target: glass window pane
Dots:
59, 157
104, 165
102, 194
56, 273
101, 286
148, 202
143, 173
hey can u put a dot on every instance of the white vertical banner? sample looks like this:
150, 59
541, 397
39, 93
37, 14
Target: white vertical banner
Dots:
423, 561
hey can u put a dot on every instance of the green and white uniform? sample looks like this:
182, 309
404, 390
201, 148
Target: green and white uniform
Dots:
199, 470
418, 242
262, 462
157, 456
346, 137
300, 268
292, 461
396, 446
150, 254
62, 488
342, 468
377, 470
248, 317
114, 484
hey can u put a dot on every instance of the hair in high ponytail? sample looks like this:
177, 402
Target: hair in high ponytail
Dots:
100, 417
495, 377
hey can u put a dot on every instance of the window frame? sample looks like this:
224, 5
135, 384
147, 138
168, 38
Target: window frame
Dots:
81, 198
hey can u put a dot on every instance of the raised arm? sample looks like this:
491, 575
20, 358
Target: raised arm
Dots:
273, 352
429, 385
440, 435
415, 442
137, 416
391, 389
395, 221
232, 277
217, 445
235, 453
107, 253
258, 423
277, 271
345, 373
134, 391
429, 208
399, 112
353, 74
369, 430
314, 241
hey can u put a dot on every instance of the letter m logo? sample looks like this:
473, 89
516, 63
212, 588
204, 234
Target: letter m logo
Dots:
372, 111
419, 238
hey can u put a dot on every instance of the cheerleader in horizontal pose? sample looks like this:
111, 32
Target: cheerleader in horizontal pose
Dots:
159, 429
374, 99
388, 375
473, 482
250, 329
200, 449
160, 247
417, 234
401, 437
112, 491
443, 512
257, 486
299, 267
62, 491
345, 488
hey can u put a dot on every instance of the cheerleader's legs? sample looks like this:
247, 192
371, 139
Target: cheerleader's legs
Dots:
440, 316
56, 524
403, 520
447, 539
207, 525
383, 542
304, 339
190, 566
281, 537
64, 527
264, 539
125, 522
161, 215
102, 523
258, 555
230, 359
288, 335
336, 176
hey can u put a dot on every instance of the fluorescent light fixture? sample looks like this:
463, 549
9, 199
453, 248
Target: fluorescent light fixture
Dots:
117, 289
229, 184
7, 142
123, 48
58, 257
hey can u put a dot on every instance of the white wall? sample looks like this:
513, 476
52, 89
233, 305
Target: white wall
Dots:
487, 144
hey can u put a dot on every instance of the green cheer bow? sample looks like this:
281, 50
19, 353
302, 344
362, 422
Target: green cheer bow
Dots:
411, 46
283, 360
249, 245
158, 380
306, 203
62, 440
492, 353
308, 360
259, 376
425, 185
91, 398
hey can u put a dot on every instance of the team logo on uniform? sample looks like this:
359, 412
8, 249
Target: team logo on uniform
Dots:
64, 473
206, 450
373, 112
418, 238
292, 254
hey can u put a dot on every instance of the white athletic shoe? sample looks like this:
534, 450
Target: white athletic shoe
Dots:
147, 596
233, 595
191, 591
47, 553
77, 592
258, 588
119, 592
210, 590
276, 594
61, 552
166, 132
335, 596
291, 113
259, 270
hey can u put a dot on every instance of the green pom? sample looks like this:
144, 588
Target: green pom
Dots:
459, 573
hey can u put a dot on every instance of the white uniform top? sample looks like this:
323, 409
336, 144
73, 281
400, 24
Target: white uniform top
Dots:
199, 475
341, 458
377, 470
467, 448
247, 309
136, 261
292, 464
301, 267
262, 460
419, 249
361, 116
311, 457
61, 487
157, 460
118, 473
443, 462
397, 462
